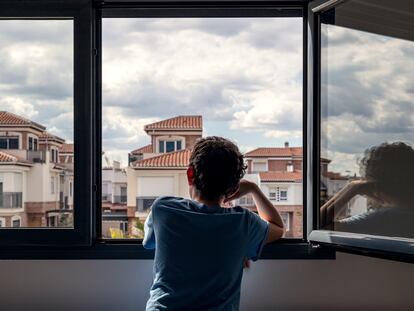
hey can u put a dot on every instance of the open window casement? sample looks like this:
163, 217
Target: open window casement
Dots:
360, 105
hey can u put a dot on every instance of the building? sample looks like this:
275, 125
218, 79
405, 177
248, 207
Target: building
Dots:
36, 189
159, 168
114, 201
278, 172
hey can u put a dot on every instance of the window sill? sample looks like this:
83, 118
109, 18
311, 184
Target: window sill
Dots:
118, 249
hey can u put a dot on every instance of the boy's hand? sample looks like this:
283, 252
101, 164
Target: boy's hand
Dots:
245, 187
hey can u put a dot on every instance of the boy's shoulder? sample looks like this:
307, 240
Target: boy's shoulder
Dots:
173, 202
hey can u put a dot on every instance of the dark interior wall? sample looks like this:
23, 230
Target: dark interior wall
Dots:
348, 283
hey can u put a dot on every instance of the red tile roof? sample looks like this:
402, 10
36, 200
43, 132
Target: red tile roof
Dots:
47, 136
281, 176
275, 152
167, 160
8, 158
8, 118
145, 149
5, 157
66, 148
177, 123
335, 176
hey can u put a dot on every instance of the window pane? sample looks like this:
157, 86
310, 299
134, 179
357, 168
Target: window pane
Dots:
367, 124
170, 146
36, 120
168, 82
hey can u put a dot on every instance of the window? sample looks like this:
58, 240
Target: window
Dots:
246, 201
283, 195
30, 143
234, 90
169, 145
272, 194
9, 143
233, 93
16, 221
366, 127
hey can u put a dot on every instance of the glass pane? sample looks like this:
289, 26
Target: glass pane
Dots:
170, 146
36, 115
367, 124
175, 80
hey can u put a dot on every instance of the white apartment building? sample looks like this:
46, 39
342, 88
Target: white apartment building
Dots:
33, 183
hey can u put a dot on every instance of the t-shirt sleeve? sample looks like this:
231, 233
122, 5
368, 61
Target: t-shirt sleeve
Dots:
258, 230
149, 236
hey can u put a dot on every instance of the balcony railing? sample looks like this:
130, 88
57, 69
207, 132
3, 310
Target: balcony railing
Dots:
144, 203
37, 156
11, 200
120, 199
106, 197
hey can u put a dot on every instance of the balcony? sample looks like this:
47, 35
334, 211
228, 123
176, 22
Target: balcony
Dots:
120, 199
36, 156
11, 200
106, 197
144, 203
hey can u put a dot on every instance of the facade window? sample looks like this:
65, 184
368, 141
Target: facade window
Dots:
30, 143
272, 194
35, 144
16, 223
169, 145
70, 189
246, 200
283, 195
9, 143
259, 167
161, 146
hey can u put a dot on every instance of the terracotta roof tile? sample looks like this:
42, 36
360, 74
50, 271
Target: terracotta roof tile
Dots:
8, 118
47, 136
66, 148
9, 158
295, 176
5, 157
145, 149
275, 152
179, 122
168, 160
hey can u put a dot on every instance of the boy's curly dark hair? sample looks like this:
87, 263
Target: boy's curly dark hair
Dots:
391, 167
218, 166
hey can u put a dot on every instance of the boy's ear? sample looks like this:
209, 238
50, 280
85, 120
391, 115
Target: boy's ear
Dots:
190, 175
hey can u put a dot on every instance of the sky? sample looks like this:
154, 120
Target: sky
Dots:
243, 75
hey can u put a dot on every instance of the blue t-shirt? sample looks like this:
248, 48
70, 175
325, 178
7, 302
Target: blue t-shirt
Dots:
199, 253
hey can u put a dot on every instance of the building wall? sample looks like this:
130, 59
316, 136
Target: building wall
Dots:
349, 283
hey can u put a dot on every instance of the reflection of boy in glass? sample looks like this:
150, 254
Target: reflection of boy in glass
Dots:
388, 172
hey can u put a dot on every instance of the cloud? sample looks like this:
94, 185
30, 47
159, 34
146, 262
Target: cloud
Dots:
219, 68
367, 93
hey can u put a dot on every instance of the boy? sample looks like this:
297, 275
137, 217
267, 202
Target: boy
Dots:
200, 246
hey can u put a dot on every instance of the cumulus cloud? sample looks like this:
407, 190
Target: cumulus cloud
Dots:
243, 72
36, 79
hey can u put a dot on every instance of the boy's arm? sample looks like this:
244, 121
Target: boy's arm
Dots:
265, 208
269, 213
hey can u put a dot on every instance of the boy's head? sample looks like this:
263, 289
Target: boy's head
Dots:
216, 167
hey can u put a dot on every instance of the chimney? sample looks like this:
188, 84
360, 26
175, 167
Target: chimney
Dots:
286, 144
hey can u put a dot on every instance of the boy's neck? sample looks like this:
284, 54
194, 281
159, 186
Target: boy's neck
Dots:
200, 199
